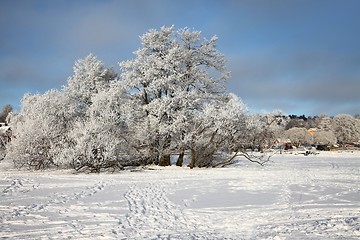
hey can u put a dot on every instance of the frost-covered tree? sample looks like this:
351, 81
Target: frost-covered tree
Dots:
324, 122
298, 136
5, 131
5, 112
272, 127
44, 126
174, 75
92, 83
264, 129
170, 100
104, 139
217, 128
5, 138
90, 77
40, 130
346, 128
325, 137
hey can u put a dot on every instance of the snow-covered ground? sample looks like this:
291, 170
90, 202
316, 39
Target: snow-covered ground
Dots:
293, 197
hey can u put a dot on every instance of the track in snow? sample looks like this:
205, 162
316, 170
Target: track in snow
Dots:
153, 216
293, 198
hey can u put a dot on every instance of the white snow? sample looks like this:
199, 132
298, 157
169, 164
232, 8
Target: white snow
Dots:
293, 197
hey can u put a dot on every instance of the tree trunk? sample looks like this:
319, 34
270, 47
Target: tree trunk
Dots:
193, 158
165, 160
180, 159
153, 155
154, 160
165, 156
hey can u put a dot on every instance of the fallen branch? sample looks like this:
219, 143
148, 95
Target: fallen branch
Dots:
261, 160
256, 159
227, 162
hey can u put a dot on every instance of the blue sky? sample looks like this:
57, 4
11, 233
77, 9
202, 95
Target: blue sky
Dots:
300, 56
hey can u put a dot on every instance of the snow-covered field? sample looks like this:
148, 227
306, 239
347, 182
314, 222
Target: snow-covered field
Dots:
293, 197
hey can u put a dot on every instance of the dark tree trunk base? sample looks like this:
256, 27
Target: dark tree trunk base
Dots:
180, 159
165, 161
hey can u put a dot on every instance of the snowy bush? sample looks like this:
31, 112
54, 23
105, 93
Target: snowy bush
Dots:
40, 130
43, 127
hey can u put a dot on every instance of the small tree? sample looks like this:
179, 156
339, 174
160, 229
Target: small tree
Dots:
298, 136
324, 122
263, 130
5, 112
324, 137
346, 129
217, 129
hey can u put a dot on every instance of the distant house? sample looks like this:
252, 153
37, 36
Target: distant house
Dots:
284, 144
